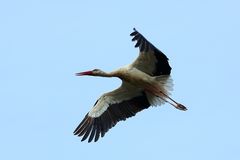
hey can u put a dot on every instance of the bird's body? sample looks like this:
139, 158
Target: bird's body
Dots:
145, 82
134, 76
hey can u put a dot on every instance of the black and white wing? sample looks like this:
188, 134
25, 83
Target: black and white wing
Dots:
111, 108
150, 60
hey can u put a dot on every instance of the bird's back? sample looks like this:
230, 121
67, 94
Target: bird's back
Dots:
135, 77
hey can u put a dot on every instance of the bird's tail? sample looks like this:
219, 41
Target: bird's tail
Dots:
164, 84
162, 89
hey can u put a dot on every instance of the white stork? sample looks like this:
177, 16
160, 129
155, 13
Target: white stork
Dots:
146, 82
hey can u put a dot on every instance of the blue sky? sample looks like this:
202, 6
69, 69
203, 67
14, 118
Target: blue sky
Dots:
43, 43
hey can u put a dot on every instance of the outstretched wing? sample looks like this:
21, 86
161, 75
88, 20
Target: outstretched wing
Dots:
111, 108
150, 60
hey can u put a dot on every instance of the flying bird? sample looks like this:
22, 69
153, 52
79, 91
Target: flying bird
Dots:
146, 82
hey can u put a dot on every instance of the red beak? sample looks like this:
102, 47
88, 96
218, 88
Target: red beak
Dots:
84, 73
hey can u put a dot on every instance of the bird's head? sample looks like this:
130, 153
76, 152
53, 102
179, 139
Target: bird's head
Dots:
95, 72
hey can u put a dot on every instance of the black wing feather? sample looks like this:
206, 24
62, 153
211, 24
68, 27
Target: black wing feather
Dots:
162, 65
92, 127
93, 132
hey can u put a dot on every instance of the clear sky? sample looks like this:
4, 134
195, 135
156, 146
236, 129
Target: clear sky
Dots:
43, 43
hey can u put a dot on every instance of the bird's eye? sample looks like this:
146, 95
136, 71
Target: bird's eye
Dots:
95, 70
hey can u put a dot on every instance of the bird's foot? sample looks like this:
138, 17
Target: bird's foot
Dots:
181, 107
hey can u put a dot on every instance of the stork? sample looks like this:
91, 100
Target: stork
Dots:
146, 82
